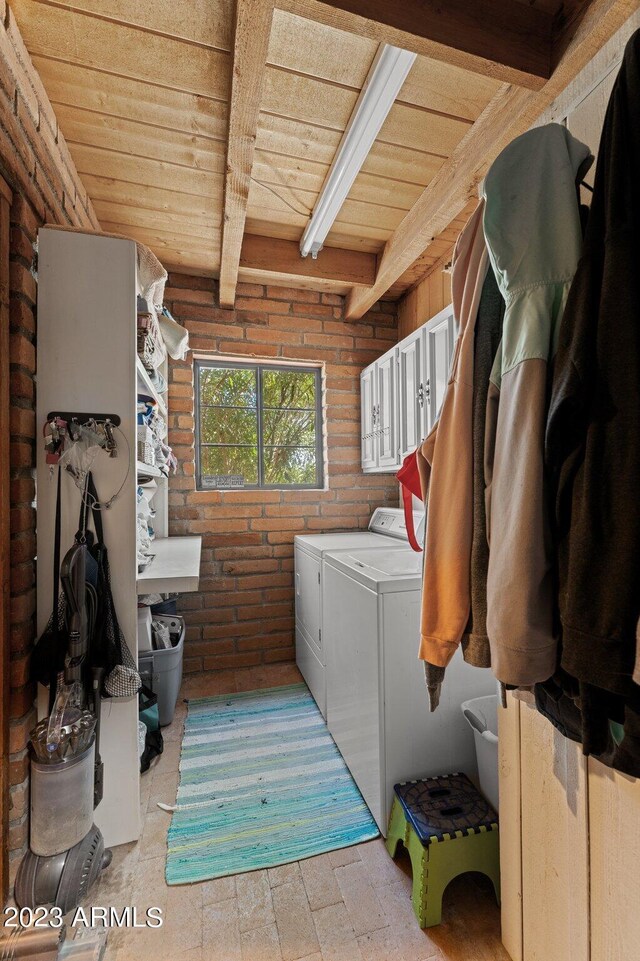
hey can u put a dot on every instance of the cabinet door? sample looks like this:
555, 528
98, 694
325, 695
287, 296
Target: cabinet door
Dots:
387, 411
411, 398
368, 445
439, 334
307, 571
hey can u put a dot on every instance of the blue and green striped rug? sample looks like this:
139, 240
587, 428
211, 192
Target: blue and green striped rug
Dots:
261, 783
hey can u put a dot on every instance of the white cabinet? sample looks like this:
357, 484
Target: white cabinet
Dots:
368, 417
411, 399
387, 411
438, 350
403, 391
379, 414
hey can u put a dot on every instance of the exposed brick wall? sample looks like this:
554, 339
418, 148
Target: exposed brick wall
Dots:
243, 613
35, 162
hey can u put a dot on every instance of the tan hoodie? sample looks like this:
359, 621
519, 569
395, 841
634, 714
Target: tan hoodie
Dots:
445, 461
533, 233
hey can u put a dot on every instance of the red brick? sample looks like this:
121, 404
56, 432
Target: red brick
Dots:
280, 654
22, 519
257, 566
23, 607
237, 599
293, 293
22, 281
265, 305
182, 375
22, 578
242, 553
19, 731
249, 290
208, 648
191, 281
302, 324
22, 700
22, 422
21, 244
260, 611
22, 316
18, 768
22, 385
22, 352
23, 548
261, 337
251, 581
24, 215
254, 350
190, 295
312, 310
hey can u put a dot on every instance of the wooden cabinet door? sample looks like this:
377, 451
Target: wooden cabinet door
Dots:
555, 843
439, 336
614, 834
411, 399
368, 442
386, 429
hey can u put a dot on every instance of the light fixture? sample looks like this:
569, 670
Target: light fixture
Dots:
384, 80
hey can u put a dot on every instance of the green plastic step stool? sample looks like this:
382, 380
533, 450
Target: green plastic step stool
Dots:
448, 828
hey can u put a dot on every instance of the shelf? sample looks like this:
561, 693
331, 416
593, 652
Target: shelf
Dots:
174, 567
143, 375
147, 470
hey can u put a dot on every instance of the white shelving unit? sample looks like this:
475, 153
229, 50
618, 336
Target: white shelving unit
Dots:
175, 566
87, 363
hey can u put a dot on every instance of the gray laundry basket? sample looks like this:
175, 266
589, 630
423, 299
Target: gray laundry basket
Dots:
162, 671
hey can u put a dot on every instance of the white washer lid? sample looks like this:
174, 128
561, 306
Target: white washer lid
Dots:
381, 570
341, 541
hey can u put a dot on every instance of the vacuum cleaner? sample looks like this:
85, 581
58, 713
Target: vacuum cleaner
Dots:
67, 852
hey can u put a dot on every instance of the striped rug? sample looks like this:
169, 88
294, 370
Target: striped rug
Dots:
261, 783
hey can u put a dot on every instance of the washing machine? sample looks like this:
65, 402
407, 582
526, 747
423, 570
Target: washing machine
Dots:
377, 706
387, 529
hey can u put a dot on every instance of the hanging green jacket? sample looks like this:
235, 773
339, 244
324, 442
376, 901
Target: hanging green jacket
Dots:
533, 235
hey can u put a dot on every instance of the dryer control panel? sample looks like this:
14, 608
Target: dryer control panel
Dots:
390, 521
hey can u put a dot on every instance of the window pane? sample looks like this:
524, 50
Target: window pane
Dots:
230, 460
228, 386
289, 428
288, 388
228, 425
287, 465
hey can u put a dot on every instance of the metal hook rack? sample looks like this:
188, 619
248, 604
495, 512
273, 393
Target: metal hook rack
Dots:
82, 418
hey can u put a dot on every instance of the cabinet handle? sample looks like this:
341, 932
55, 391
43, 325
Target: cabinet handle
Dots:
427, 392
420, 395
373, 415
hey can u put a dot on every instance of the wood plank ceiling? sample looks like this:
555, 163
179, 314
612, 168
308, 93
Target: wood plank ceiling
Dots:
141, 91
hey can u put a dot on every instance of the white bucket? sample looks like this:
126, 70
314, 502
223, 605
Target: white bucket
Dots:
482, 715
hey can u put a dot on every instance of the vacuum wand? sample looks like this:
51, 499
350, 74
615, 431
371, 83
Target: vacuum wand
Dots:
97, 675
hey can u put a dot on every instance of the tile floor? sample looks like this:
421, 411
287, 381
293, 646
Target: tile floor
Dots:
348, 905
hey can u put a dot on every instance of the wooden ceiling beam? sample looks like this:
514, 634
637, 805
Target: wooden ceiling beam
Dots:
502, 39
512, 111
250, 46
276, 261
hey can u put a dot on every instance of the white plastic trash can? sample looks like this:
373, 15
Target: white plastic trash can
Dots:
482, 715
